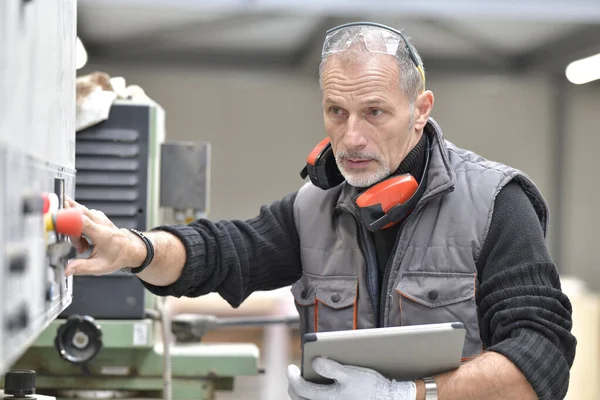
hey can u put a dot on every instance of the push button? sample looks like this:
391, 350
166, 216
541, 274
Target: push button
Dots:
336, 297
17, 263
433, 295
33, 205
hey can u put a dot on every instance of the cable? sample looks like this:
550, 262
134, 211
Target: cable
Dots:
166, 336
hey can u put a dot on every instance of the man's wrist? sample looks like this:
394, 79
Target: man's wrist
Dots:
136, 250
420, 389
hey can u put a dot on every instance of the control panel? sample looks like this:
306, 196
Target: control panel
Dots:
37, 168
34, 248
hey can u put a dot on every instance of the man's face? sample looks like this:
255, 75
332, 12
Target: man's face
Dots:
367, 118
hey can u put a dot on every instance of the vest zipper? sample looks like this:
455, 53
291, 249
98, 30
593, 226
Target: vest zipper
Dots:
384, 283
363, 244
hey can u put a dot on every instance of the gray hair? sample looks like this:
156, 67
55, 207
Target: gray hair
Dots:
355, 51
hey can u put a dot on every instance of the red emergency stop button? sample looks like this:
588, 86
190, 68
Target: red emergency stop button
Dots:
67, 221
46, 199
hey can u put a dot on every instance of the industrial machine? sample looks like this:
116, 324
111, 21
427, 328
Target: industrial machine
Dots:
115, 338
37, 157
91, 337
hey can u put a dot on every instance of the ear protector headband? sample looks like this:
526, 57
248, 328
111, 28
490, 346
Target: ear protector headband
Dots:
380, 206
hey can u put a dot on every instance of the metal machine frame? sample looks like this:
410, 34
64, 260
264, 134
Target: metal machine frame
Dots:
119, 171
37, 142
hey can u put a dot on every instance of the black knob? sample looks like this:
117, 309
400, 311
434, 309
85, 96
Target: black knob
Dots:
19, 383
79, 340
18, 262
33, 204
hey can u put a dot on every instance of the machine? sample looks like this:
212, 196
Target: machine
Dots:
92, 337
37, 169
114, 339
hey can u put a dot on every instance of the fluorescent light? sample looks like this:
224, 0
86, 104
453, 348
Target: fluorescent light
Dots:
584, 70
80, 55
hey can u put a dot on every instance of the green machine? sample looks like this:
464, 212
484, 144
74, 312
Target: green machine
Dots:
115, 340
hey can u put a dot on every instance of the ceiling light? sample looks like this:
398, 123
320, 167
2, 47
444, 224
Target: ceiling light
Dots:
584, 70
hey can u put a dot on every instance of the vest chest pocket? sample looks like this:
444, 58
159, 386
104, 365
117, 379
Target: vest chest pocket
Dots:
326, 303
435, 297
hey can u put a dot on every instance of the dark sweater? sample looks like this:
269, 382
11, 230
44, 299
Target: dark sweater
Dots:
522, 311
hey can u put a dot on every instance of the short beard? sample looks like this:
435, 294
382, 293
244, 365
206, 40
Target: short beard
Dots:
362, 179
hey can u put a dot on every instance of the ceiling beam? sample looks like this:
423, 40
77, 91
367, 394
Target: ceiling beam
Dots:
488, 54
538, 10
554, 55
437, 66
252, 60
159, 40
194, 58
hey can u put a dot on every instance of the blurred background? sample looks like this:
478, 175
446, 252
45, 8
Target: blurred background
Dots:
242, 75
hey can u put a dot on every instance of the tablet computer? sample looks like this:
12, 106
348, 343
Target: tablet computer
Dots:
401, 353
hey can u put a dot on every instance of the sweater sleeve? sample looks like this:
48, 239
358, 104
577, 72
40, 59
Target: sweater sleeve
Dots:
523, 313
236, 258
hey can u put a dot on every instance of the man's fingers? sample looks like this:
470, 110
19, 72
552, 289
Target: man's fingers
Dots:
99, 217
91, 229
70, 203
328, 368
293, 395
91, 266
80, 243
95, 215
305, 389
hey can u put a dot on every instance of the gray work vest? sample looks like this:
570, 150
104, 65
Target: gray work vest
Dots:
432, 271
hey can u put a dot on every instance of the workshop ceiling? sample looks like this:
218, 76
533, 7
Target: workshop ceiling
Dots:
457, 36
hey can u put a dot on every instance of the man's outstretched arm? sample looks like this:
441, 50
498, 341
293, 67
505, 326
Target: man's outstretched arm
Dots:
233, 258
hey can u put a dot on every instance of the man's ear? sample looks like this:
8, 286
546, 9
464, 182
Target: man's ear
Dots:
423, 107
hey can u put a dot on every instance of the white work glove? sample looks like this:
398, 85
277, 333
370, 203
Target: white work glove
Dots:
351, 383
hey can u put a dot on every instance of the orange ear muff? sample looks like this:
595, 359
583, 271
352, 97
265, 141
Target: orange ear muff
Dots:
379, 200
321, 167
393, 199
318, 151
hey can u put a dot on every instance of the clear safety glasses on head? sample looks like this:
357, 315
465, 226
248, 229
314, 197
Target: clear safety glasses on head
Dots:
376, 38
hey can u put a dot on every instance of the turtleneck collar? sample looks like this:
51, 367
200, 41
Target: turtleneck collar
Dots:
414, 162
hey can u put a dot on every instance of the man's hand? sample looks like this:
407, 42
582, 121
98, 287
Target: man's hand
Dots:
350, 383
114, 248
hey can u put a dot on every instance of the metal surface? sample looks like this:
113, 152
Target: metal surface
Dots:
36, 292
185, 175
37, 78
114, 296
131, 363
560, 10
117, 173
115, 162
192, 327
30, 397
37, 137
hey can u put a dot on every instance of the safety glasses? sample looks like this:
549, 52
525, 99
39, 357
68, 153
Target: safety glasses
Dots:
384, 40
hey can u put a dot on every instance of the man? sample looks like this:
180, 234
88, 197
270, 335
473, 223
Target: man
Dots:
397, 227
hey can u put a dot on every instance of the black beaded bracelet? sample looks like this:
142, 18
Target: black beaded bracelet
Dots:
149, 252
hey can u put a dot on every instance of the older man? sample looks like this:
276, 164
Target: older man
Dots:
397, 226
